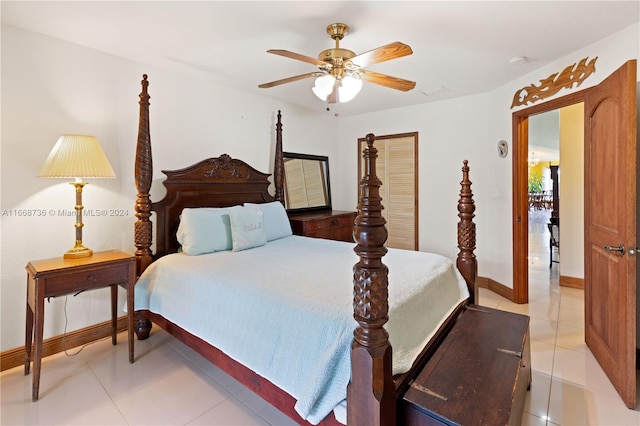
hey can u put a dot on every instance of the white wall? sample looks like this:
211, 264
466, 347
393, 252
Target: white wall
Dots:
51, 87
470, 127
572, 191
439, 161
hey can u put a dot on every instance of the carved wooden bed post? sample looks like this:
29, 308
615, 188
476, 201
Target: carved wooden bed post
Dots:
278, 168
144, 176
371, 393
467, 263
143, 230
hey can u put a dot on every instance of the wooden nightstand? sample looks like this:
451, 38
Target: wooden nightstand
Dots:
328, 224
59, 276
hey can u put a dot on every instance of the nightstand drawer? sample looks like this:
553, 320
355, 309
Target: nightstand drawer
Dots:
87, 279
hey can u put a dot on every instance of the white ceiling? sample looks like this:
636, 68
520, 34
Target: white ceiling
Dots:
464, 46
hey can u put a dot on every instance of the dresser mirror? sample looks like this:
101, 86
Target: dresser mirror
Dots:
306, 182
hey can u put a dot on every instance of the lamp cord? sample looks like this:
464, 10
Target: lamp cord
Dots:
64, 334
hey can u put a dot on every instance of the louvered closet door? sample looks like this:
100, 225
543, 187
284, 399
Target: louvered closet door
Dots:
397, 168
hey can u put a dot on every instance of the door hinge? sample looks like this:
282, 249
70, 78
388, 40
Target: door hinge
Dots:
510, 352
427, 391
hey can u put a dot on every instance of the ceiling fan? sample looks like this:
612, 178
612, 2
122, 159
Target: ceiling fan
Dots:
341, 71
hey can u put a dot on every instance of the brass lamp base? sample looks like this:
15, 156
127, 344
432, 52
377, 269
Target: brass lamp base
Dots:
78, 251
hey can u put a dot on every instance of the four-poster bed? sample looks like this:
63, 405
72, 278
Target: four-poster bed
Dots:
375, 387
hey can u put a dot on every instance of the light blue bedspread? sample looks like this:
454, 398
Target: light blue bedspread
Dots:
285, 309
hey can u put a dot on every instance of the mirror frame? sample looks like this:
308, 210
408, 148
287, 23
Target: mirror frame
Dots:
321, 158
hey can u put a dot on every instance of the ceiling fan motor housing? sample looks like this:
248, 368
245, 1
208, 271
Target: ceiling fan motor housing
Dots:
330, 54
336, 57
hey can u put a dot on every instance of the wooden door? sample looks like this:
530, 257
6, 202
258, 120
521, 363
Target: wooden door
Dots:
610, 227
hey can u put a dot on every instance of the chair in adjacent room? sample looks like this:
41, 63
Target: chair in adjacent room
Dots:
554, 241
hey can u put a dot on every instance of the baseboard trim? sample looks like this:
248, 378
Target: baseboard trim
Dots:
571, 282
15, 357
496, 287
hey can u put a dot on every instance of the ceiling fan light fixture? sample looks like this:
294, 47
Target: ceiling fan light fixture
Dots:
349, 87
323, 86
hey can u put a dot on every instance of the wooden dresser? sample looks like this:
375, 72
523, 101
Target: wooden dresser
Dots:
327, 224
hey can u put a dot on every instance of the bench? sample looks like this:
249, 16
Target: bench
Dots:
478, 376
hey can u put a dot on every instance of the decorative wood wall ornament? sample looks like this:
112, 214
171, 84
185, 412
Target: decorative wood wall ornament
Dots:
572, 75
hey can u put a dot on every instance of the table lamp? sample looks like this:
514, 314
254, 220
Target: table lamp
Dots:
77, 156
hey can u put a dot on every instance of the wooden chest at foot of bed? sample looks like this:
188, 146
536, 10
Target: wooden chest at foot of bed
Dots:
478, 376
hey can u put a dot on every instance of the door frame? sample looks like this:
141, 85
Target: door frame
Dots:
616, 363
520, 195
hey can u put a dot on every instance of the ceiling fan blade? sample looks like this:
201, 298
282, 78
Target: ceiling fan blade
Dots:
387, 80
298, 56
289, 80
383, 53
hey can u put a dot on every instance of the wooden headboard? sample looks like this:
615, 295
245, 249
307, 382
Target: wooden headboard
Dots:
215, 182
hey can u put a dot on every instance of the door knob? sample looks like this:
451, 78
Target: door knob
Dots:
619, 249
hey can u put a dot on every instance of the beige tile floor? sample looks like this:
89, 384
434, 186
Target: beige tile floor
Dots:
171, 385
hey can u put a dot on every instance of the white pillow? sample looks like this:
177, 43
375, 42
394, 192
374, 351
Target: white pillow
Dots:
276, 221
247, 227
204, 230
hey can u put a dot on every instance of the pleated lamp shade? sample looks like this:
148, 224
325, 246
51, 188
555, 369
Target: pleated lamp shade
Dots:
77, 156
